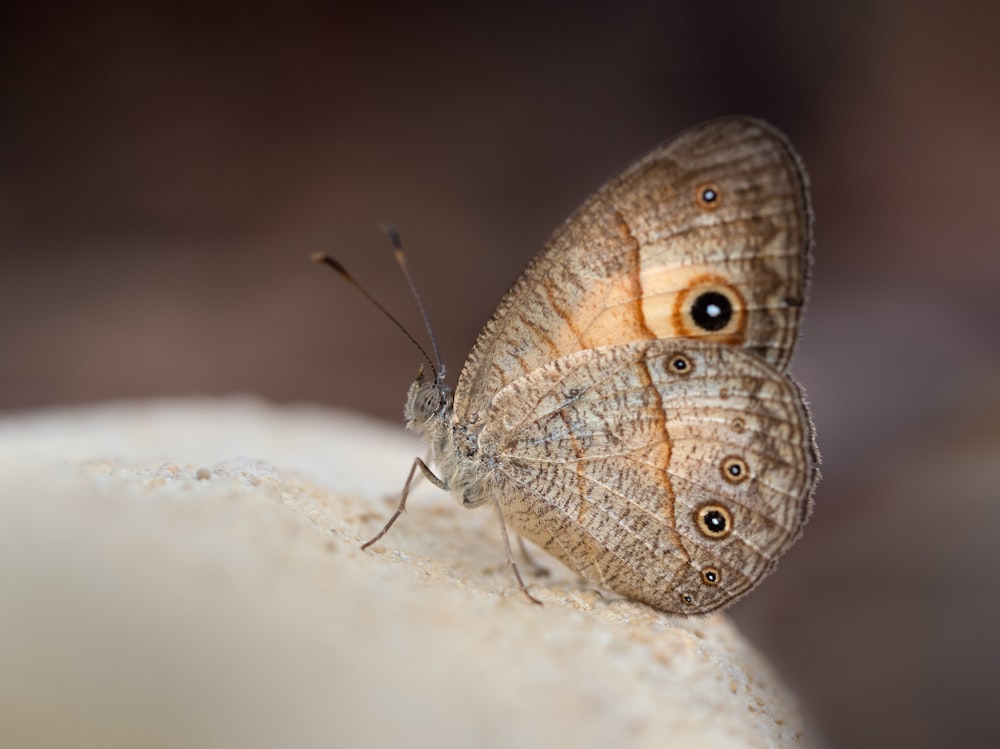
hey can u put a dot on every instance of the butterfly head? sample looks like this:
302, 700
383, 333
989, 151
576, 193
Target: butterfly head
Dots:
427, 403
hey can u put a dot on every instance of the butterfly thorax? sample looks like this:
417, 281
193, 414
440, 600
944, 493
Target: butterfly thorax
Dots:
455, 450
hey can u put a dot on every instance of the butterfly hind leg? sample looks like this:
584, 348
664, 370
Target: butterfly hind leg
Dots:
510, 555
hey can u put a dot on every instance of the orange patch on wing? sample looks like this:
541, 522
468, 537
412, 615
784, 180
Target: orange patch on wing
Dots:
612, 311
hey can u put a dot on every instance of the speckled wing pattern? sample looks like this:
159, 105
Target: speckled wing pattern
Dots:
614, 460
630, 392
621, 267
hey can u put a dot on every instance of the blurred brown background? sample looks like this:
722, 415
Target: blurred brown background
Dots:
166, 169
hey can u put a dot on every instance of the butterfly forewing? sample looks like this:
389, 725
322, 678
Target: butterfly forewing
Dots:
707, 236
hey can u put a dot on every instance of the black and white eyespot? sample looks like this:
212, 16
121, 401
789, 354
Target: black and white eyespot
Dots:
712, 311
734, 469
713, 520
708, 196
711, 576
711, 305
679, 364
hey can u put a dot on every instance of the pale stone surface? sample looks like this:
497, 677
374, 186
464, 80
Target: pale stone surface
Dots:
187, 573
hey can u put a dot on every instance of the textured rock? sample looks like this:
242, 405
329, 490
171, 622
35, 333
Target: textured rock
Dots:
162, 585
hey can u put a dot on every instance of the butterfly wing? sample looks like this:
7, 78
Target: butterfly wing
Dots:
674, 472
707, 236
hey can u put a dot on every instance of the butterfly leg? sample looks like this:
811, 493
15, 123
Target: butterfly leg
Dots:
510, 555
429, 474
427, 460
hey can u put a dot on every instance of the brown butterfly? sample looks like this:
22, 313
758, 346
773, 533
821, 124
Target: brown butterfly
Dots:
627, 406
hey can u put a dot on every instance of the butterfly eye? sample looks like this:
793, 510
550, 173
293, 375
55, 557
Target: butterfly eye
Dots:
687, 598
714, 521
708, 196
711, 576
734, 469
679, 364
738, 424
426, 403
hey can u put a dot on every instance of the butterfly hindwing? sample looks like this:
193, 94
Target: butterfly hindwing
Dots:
642, 466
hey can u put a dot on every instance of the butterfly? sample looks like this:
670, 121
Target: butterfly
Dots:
627, 407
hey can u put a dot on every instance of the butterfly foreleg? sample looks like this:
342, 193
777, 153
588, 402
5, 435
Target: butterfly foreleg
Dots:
430, 476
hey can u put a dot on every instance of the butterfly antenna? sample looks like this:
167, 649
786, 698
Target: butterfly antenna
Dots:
324, 259
397, 244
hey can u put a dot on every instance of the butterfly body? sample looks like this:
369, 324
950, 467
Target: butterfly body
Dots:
627, 405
